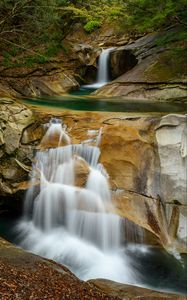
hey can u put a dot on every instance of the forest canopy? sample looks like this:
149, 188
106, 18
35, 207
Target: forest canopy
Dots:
28, 24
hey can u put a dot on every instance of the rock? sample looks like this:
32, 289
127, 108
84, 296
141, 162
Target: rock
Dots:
127, 292
177, 218
90, 74
144, 211
133, 165
121, 61
54, 138
33, 134
170, 135
81, 172
69, 83
1, 138
143, 91
82, 47
51, 87
51, 79
14, 118
27, 276
7, 91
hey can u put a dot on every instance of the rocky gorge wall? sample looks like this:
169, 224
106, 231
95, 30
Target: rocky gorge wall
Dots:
141, 67
145, 157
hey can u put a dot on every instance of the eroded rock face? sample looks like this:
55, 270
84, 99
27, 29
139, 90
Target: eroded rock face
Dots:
166, 222
171, 135
62, 84
14, 119
128, 153
144, 211
16, 150
121, 61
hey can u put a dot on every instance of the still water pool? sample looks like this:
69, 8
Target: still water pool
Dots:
80, 100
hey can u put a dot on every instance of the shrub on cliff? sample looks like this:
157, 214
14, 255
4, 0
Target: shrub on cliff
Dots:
92, 25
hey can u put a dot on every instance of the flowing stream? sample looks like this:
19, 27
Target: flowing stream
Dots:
71, 222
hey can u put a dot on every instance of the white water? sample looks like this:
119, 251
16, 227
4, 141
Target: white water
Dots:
71, 224
103, 70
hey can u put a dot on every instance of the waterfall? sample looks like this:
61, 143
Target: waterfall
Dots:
103, 69
71, 222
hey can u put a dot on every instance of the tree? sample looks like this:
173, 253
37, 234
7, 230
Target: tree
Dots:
146, 15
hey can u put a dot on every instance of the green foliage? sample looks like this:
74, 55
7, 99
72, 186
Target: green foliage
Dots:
6, 59
146, 15
81, 14
172, 37
92, 25
30, 61
33, 30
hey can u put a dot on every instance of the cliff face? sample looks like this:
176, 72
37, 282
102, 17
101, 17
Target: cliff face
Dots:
135, 150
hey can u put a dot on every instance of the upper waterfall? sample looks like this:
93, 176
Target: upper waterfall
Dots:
103, 67
103, 74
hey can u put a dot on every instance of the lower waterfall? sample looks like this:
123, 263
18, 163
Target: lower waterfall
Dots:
70, 221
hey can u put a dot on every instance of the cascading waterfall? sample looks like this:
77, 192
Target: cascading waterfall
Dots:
71, 223
103, 69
